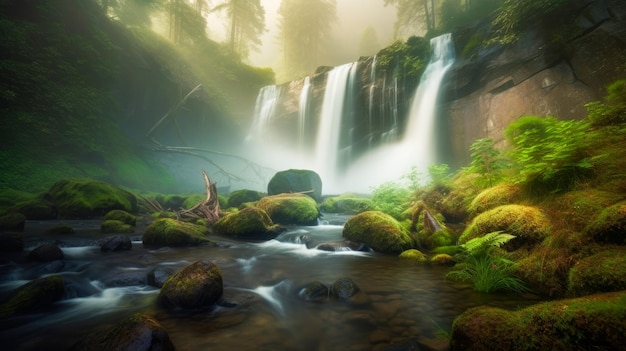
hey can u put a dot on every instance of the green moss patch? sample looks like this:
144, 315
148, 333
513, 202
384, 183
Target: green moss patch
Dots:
609, 226
296, 209
413, 255
170, 232
251, 223
378, 230
346, 203
502, 194
602, 272
34, 296
242, 196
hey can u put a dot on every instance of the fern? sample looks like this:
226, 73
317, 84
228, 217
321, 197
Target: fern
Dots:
482, 245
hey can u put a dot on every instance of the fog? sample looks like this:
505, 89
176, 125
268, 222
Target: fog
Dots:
353, 16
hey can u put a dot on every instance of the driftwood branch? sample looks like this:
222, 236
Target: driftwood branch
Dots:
158, 124
209, 208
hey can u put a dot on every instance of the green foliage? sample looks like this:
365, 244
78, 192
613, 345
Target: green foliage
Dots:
514, 16
488, 272
409, 58
486, 161
391, 198
613, 110
439, 173
551, 154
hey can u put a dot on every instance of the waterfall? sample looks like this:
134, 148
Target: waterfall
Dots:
328, 133
264, 109
303, 110
421, 128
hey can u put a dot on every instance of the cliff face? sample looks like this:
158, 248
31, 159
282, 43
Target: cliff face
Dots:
543, 74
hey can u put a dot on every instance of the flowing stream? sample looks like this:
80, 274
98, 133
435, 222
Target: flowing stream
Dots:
262, 309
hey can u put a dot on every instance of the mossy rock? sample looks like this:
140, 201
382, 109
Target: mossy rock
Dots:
85, 198
290, 209
60, 229
378, 230
34, 296
296, 181
36, 209
449, 250
196, 285
581, 208
442, 237
346, 203
413, 255
46, 252
609, 226
114, 226
170, 201
239, 197
122, 216
502, 194
13, 222
164, 214
545, 269
529, 224
590, 322
454, 205
442, 259
192, 200
249, 223
170, 232
137, 332
602, 272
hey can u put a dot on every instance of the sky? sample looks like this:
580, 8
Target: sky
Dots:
353, 17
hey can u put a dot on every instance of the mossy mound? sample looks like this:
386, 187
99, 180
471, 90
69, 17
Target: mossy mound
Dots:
378, 230
286, 209
170, 232
602, 272
590, 322
249, 223
529, 224
137, 332
454, 205
192, 200
413, 255
442, 260
449, 250
60, 229
578, 209
114, 226
502, 194
34, 296
122, 216
346, 203
439, 238
609, 226
196, 285
240, 197
85, 198
545, 269
13, 222
38, 208
296, 181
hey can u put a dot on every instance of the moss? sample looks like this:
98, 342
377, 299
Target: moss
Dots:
239, 197
296, 209
529, 224
164, 214
296, 181
346, 203
602, 272
114, 226
454, 205
85, 198
502, 194
34, 296
413, 255
12, 222
379, 231
170, 232
60, 229
575, 210
449, 250
196, 285
122, 216
251, 222
442, 237
609, 226
192, 200
591, 322
545, 269
442, 259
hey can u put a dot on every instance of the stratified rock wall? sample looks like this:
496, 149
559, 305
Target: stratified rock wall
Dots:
542, 74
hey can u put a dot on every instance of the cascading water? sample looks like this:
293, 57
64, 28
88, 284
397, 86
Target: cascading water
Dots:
303, 110
329, 130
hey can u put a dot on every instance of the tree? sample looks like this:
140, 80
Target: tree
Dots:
247, 24
185, 22
304, 29
413, 15
369, 42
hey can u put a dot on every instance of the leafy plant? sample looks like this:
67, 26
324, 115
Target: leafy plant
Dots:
514, 16
488, 272
391, 198
613, 110
439, 173
487, 161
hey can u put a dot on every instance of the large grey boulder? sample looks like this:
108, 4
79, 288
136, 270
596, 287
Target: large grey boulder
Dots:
296, 181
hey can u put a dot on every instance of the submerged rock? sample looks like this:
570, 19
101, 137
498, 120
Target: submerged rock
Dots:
343, 288
590, 322
139, 332
314, 292
34, 296
46, 253
117, 243
196, 285
379, 231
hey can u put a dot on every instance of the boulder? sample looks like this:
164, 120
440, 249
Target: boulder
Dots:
122, 216
60, 229
249, 223
170, 232
343, 288
85, 198
602, 272
590, 322
34, 296
240, 197
314, 292
290, 209
117, 243
46, 253
346, 203
159, 275
609, 226
195, 286
296, 181
114, 226
379, 231
11, 242
13, 222
139, 332
413, 255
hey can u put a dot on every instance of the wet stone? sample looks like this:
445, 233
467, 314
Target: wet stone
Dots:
315, 291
